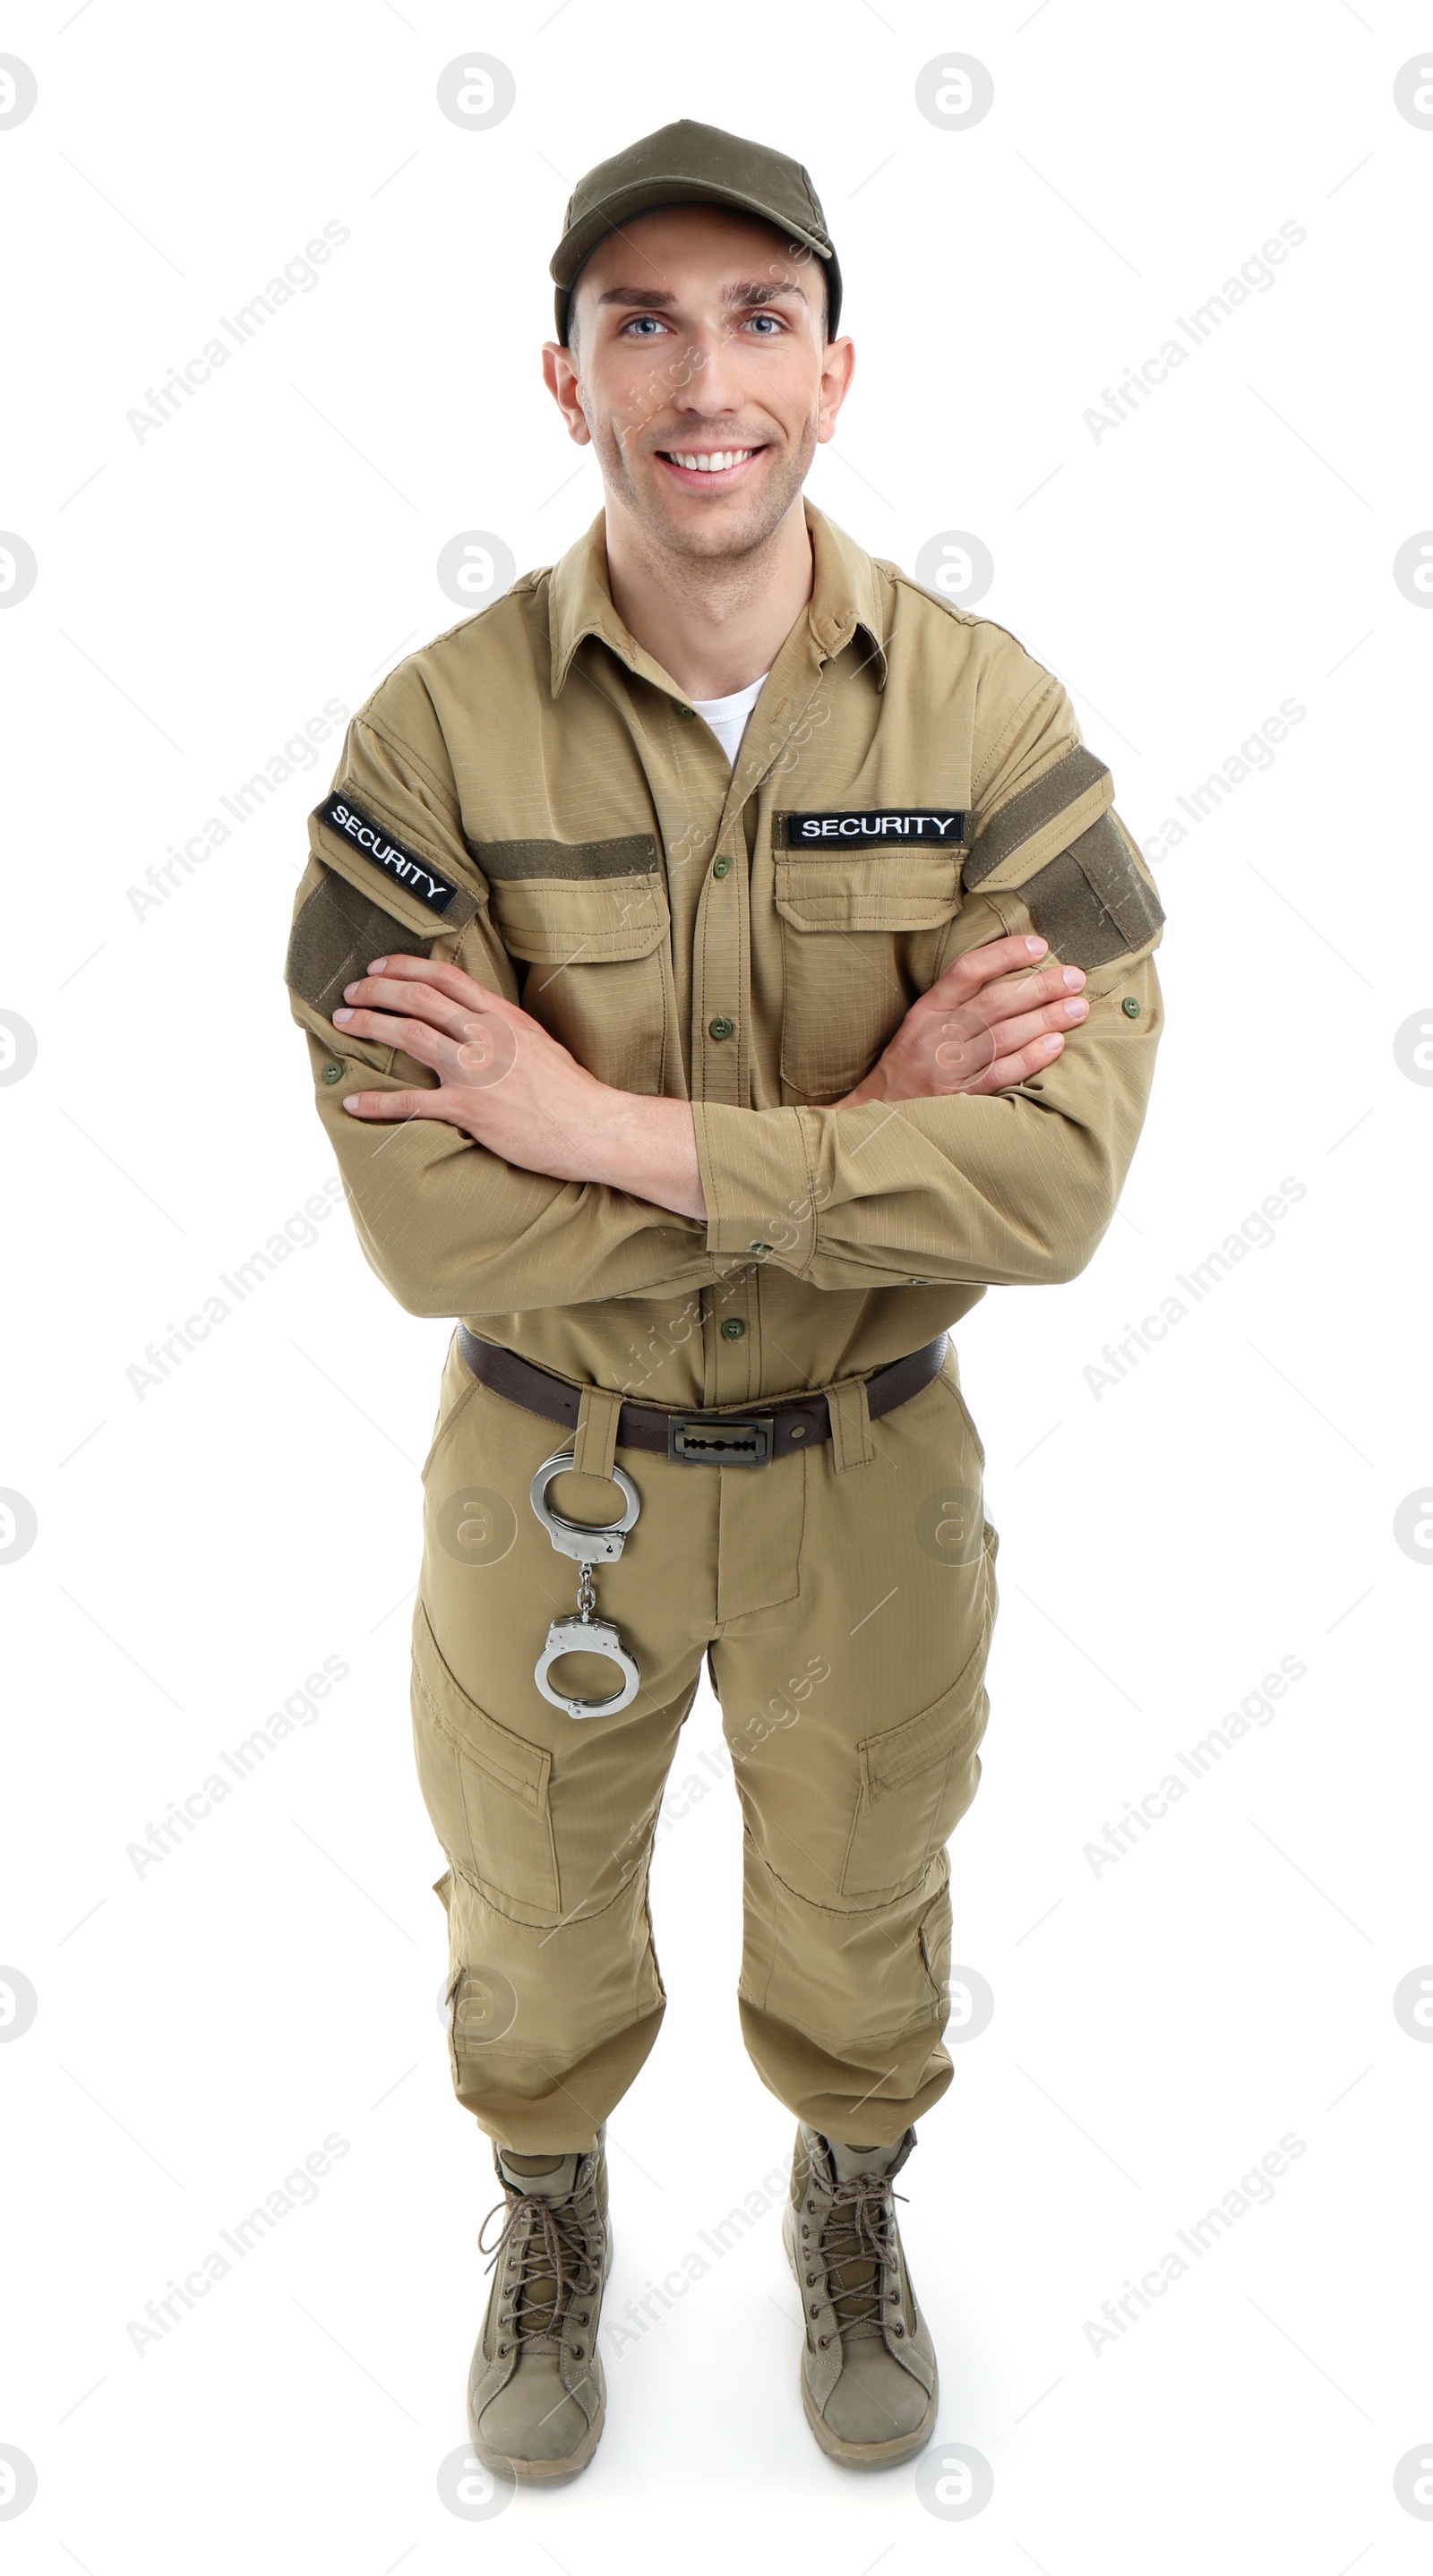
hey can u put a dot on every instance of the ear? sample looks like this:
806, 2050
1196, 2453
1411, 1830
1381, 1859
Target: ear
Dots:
838, 365
559, 374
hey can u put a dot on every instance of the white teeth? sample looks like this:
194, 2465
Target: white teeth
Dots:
716, 463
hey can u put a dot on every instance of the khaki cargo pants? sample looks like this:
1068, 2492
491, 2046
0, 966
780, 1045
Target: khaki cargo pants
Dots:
846, 1597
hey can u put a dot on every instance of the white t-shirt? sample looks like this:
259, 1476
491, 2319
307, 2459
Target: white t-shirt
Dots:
727, 716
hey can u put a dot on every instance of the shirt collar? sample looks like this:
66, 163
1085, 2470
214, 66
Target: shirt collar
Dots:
845, 598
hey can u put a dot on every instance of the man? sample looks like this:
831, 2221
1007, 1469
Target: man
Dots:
695, 940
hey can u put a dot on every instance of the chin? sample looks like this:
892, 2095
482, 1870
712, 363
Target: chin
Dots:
711, 529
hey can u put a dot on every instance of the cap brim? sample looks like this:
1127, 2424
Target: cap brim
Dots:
646, 194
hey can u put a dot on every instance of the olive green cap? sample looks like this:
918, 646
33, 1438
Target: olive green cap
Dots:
685, 164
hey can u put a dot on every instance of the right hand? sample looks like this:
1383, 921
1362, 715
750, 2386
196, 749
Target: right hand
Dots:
992, 1019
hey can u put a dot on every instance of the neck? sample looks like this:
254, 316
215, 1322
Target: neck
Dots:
714, 624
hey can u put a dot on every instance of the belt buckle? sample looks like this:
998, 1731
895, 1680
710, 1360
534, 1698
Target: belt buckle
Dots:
722, 1439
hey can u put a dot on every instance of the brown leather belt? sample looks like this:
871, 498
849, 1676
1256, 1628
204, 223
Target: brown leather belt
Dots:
750, 1439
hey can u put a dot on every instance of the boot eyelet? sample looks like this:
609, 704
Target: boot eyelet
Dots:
577, 2348
898, 2329
815, 2307
821, 2342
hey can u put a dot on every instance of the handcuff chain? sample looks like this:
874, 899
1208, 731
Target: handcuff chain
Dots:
586, 1597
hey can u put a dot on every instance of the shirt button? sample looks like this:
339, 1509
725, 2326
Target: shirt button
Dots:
733, 1328
720, 867
333, 1073
720, 1027
1130, 1007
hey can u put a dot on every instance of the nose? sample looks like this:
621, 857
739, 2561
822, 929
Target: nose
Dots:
713, 384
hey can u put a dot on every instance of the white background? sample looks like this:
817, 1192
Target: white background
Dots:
204, 1544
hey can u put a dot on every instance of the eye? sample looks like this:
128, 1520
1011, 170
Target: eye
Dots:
772, 320
644, 323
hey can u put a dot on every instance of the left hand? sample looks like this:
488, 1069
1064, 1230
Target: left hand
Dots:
502, 1077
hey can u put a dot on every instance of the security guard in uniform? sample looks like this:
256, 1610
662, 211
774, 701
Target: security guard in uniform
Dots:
707, 1075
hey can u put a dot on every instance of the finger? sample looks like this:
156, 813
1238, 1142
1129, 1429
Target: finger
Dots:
1003, 997
998, 956
971, 1038
391, 1106
1022, 987
1045, 984
430, 1046
447, 979
1037, 1057
1008, 1036
413, 1001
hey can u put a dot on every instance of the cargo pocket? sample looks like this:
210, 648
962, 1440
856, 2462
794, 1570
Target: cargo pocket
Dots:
861, 936
916, 1782
485, 1790
589, 921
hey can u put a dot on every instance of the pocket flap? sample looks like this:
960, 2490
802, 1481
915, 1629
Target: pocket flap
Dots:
521, 1769
890, 1759
890, 890
580, 921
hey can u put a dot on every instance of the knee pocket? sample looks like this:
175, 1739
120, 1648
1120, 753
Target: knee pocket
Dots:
485, 1789
916, 1781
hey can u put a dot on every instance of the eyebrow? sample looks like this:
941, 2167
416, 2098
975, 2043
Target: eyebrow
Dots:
748, 291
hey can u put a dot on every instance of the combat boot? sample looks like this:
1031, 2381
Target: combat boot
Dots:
536, 2392
868, 2372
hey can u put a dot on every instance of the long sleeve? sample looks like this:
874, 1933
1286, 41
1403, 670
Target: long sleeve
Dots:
449, 1227
1014, 1188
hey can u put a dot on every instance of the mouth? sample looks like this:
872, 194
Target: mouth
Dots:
708, 469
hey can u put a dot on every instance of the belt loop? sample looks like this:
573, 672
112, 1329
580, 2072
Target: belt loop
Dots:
851, 1440
596, 1441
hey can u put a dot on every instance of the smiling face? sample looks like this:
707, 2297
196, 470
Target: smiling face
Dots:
700, 370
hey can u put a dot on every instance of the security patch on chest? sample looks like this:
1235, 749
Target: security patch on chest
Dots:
417, 875
934, 826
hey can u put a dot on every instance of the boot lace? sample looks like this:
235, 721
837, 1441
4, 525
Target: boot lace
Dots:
858, 2246
553, 2264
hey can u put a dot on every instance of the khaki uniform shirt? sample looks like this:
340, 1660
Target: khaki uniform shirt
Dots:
533, 796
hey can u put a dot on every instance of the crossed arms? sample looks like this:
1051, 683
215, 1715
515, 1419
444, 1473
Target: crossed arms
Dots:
990, 1021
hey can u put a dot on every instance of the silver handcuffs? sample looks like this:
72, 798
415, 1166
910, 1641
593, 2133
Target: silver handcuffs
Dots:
584, 1631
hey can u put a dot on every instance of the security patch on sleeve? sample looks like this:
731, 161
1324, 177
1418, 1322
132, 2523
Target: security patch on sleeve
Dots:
416, 875
933, 826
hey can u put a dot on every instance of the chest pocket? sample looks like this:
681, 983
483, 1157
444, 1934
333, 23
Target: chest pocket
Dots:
861, 934
589, 924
